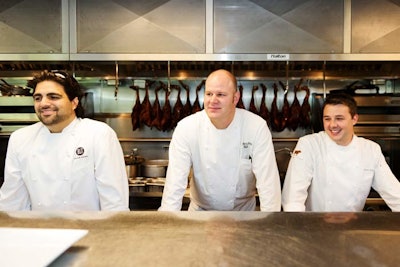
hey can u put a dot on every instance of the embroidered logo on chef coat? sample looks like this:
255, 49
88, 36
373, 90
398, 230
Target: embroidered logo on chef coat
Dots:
246, 150
79, 151
295, 153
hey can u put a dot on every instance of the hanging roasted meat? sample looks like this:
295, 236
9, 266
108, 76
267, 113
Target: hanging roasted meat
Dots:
294, 117
252, 106
146, 112
275, 114
187, 108
135, 115
240, 103
157, 112
264, 112
166, 120
196, 104
305, 120
178, 107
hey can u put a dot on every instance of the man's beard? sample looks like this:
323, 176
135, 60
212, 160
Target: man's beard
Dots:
51, 120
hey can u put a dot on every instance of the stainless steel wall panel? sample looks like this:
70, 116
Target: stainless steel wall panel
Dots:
31, 26
278, 26
176, 26
375, 26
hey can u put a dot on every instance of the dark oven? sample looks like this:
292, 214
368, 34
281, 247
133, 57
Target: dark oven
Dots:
379, 120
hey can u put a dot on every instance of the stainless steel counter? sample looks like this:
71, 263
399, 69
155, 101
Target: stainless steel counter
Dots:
223, 238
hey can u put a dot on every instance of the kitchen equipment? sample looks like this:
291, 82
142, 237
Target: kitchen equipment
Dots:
155, 184
137, 184
7, 89
355, 87
154, 168
132, 163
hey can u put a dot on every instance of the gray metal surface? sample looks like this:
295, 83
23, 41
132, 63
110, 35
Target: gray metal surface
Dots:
278, 26
375, 26
123, 26
205, 30
223, 238
30, 26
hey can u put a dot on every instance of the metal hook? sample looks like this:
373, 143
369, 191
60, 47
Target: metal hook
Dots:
169, 76
287, 77
116, 81
324, 78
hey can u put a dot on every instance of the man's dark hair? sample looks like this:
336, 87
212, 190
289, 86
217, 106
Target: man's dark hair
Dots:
70, 84
342, 99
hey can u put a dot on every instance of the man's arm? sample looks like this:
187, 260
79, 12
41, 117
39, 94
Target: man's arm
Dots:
386, 184
111, 177
298, 179
177, 172
266, 172
13, 194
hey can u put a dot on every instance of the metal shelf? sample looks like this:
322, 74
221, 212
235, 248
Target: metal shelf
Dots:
199, 57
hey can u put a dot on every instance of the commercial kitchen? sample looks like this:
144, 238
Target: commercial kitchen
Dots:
156, 55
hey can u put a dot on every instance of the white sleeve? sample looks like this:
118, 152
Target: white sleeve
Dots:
266, 171
177, 172
111, 177
386, 184
298, 178
13, 194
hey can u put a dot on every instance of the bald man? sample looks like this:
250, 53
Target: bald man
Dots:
230, 151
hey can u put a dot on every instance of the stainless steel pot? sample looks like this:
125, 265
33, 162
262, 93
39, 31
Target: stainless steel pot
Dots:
132, 165
154, 168
132, 171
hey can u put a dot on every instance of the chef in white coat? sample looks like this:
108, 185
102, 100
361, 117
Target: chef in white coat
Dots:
230, 151
334, 170
63, 162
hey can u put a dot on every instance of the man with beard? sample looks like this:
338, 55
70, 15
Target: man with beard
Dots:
63, 162
230, 151
334, 170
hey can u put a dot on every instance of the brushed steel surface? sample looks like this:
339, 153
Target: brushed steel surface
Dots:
278, 26
375, 26
222, 238
141, 26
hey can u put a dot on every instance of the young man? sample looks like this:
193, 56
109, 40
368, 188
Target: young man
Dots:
63, 162
230, 151
334, 170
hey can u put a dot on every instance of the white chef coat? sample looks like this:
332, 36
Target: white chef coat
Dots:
229, 165
323, 176
81, 168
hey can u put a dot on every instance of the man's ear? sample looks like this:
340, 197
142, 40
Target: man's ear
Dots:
75, 102
355, 119
236, 97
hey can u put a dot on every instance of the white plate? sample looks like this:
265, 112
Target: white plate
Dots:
35, 246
